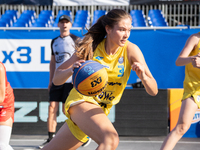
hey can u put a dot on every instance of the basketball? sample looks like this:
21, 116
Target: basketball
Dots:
90, 79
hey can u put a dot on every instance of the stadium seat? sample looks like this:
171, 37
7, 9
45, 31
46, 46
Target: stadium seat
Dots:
30, 13
12, 12
39, 24
26, 18
3, 24
47, 17
20, 24
9, 17
138, 18
47, 12
82, 19
156, 18
97, 15
6, 19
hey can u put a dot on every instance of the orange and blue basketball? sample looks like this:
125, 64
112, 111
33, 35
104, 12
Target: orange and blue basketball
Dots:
90, 78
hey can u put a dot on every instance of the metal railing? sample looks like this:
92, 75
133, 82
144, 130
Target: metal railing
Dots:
175, 14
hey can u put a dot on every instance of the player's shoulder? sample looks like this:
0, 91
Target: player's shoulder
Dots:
131, 45
195, 35
54, 39
74, 37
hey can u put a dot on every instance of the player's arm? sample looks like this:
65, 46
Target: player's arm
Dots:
139, 65
184, 58
2, 83
64, 71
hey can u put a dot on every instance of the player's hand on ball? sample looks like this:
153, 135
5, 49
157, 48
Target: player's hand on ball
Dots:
77, 64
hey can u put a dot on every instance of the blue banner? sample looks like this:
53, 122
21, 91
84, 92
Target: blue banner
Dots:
26, 55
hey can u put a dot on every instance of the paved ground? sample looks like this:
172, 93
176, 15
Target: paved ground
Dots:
24, 142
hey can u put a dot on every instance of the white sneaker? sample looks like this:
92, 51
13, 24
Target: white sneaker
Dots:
43, 144
87, 143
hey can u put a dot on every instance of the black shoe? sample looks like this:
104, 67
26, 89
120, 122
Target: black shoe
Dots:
87, 143
43, 144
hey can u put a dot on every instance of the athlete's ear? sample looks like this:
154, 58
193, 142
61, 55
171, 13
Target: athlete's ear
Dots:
108, 29
58, 24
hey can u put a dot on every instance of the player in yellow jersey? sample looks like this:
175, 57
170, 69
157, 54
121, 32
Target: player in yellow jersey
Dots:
190, 58
105, 42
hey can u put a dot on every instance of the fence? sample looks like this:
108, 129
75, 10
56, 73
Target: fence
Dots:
175, 14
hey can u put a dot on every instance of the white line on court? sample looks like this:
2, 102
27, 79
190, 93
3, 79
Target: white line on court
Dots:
26, 140
182, 142
122, 141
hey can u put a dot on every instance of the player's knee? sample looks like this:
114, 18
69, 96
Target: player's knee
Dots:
112, 140
181, 129
115, 141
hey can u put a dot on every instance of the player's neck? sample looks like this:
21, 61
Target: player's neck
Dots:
64, 34
110, 47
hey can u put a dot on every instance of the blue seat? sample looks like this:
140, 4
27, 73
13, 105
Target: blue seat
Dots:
20, 24
139, 24
156, 18
8, 21
3, 24
157, 22
97, 15
26, 18
39, 24
30, 13
138, 18
82, 19
155, 12
47, 16
44, 20
12, 12
9, 16
47, 12
78, 24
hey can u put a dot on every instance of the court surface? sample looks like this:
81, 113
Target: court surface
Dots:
31, 142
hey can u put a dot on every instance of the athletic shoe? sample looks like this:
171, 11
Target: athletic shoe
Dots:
87, 143
43, 144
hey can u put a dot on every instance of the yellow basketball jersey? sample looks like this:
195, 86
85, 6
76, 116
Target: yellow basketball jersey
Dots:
118, 69
192, 77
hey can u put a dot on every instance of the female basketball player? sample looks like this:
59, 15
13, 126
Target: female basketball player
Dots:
6, 110
105, 42
190, 58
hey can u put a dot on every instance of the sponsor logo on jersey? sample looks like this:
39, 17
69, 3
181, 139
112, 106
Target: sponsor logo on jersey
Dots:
121, 60
98, 57
114, 83
105, 97
60, 57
